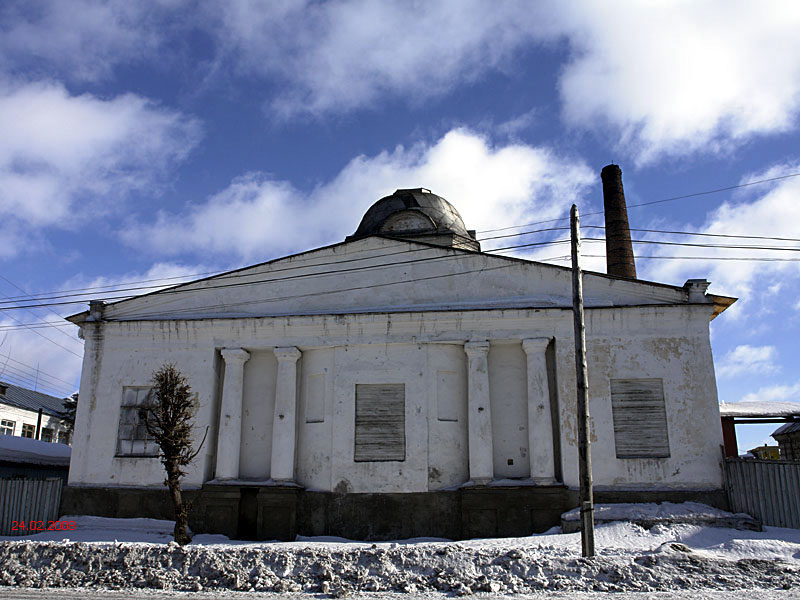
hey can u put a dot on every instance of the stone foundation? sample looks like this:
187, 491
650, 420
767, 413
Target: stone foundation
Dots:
274, 512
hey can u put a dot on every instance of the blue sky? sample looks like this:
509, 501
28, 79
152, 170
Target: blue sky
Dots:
165, 138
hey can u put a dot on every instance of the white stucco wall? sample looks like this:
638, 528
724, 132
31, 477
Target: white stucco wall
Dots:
425, 352
21, 417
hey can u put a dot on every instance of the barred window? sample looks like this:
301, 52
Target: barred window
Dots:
132, 437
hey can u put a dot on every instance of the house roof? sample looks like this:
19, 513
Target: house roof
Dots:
21, 397
787, 428
450, 297
760, 409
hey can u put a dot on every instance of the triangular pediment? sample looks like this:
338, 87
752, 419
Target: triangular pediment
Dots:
380, 274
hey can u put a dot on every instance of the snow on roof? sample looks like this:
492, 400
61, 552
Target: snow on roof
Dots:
25, 450
760, 409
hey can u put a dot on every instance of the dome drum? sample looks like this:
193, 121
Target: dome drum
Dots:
417, 214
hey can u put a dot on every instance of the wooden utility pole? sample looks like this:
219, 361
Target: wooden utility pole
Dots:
584, 451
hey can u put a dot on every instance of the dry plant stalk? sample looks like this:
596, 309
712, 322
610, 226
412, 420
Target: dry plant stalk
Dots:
168, 417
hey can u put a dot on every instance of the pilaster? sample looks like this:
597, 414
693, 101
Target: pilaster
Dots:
479, 418
540, 420
230, 418
284, 425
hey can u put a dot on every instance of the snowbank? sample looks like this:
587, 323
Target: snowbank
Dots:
649, 514
630, 558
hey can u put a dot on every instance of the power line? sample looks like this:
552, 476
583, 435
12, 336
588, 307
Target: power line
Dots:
27, 380
318, 293
72, 339
41, 335
164, 293
710, 258
231, 275
696, 233
672, 199
182, 289
110, 285
237, 274
40, 371
29, 326
694, 245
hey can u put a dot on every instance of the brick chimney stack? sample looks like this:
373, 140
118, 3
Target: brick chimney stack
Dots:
619, 251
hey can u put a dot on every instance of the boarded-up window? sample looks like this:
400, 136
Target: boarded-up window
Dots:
380, 422
640, 418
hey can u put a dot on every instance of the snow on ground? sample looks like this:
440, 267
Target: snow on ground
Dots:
667, 557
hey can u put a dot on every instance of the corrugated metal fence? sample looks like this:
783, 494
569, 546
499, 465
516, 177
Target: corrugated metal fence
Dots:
28, 500
768, 490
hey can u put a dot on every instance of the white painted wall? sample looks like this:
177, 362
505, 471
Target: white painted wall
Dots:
21, 417
425, 352
258, 410
509, 398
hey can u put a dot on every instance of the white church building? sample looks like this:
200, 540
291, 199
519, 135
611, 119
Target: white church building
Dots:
402, 383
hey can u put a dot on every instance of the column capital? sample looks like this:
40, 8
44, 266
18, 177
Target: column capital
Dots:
232, 355
476, 348
287, 354
535, 345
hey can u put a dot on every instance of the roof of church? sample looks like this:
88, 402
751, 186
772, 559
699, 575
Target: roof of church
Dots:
422, 209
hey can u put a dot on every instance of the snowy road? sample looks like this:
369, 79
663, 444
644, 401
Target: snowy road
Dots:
27, 594
136, 557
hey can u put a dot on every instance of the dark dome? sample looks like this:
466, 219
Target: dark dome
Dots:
411, 212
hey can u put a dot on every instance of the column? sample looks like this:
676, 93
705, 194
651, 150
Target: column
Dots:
540, 421
284, 423
229, 439
479, 418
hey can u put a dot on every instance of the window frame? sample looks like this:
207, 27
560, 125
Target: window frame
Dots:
7, 427
27, 427
141, 445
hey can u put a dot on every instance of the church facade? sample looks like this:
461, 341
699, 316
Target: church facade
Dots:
398, 384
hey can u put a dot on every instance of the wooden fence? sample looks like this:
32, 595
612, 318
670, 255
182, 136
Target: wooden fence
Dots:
768, 490
26, 500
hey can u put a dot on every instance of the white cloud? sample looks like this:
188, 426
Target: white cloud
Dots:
748, 359
57, 147
667, 78
773, 213
45, 358
259, 217
774, 393
26, 357
81, 39
655, 79
338, 56
676, 77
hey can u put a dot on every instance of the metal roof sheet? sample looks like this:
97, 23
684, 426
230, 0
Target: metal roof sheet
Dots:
31, 400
